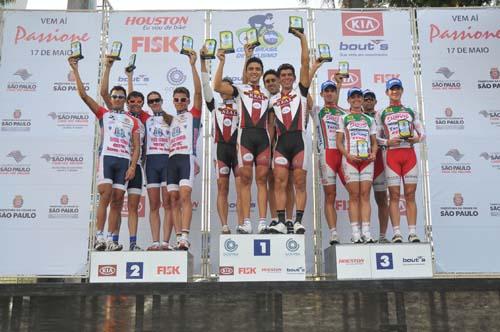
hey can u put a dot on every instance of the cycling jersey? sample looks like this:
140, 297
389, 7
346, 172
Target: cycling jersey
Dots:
290, 110
184, 132
357, 129
253, 104
327, 122
142, 117
391, 121
226, 119
157, 135
117, 129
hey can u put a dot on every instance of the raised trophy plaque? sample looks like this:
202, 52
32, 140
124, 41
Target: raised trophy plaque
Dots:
187, 45
226, 41
296, 23
76, 50
131, 63
324, 53
116, 49
211, 46
253, 37
344, 68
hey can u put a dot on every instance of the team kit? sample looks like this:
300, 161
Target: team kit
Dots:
260, 136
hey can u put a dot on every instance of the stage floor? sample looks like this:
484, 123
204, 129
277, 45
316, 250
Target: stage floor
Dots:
409, 305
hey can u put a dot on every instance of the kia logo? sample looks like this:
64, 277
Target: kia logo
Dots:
226, 270
366, 24
106, 271
362, 24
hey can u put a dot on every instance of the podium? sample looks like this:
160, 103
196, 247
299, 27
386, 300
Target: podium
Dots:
140, 266
379, 261
262, 257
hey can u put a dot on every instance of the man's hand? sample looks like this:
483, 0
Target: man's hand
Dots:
414, 139
130, 173
353, 158
372, 156
109, 60
248, 50
338, 78
297, 33
192, 57
394, 142
203, 51
73, 63
221, 55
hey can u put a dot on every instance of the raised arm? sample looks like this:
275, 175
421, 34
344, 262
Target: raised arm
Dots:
248, 54
304, 59
91, 103
219, 85
108, 63
197, 98
130, 81
205, 83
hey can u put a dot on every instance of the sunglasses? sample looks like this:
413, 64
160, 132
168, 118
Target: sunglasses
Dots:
154, 101
180, 100
118, 97
270, 81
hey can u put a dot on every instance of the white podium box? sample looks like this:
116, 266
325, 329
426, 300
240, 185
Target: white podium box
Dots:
379, 261
140, 266
267, 257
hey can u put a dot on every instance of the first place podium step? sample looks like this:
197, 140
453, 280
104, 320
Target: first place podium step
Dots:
262, 257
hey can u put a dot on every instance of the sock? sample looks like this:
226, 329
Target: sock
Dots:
333, 230
246, 221
281, 216
178, 236
99, 235
185, 233
133, 240
412, 229
381, 236
115, 237
396, 230
164, 243
365, 227
262, 220
156, 243
109, 236
355, 227
298, 215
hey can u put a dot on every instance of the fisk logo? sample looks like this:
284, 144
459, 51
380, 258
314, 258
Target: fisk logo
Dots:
247, 270
362, 24
106, 271
168, 270
383, 78
354, 79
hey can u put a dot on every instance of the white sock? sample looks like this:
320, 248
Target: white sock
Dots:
381, 236
99, 235
412, 230
109, 236
365, 228
246, 221
164, 243
396, 230
333, 231
355, 227
156, 243
262, 221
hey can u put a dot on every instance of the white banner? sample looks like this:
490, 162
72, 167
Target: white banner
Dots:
371, 42
277, 47
156, 39
46, 166
461, 87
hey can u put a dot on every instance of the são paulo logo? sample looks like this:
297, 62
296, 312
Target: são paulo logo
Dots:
493, 116
459, 209
449, 120
445, 81
16, 122
22, 81
493, 158
492, 83
453, 164
18, 210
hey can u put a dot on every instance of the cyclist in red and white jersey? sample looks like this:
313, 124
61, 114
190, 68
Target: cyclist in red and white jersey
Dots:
135, 102
225, 133
356, 140
119, 153
379, 182
253, 137
182, 165
399, 129
290, 109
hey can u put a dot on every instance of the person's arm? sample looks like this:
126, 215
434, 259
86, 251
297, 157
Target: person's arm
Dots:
91, 103
304, 59
108, 63
130, 81
205, 83
219, 85
197, 98
338, 80
136, 147
373, 141
248, 54
340, 143
419, 129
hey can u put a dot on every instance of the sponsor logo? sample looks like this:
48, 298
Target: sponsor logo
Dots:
230, 248
64, 163
138, 79
70, 121
351, 261
271, 269
384, 261
281, 160
157, 20
446, 83
459, 209
455, 166
168, 270
63, 210
362, 24
69, 84
141, 209
16, 167
354, 79
16, 123
375, 47
261, 247
17, 211
227, 122
106, 270
154, 44
495, 209
493, 158
224, 170
248, 157
295, 270
175, 76
383, 78
134, 270
493, 116
292, 247
247, 270
449, 121
419, 260
226, 270
492, 83
22, 82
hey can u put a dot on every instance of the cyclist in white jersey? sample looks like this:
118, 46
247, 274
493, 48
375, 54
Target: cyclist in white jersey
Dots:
118, 162
224, 132
182, 166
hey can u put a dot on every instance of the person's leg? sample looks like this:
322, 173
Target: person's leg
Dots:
365, 210
222, 199
353, 188
299, 176
168, 223
280, 183
116, 206
290, 197
186, 215
133, 218
411, 211
383, 213
394, 194
105, 190
154, 216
